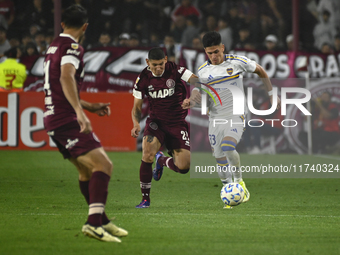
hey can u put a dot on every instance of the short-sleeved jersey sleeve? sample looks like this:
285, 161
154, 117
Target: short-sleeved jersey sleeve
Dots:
186, 75
71, 53
137, 91
245, 64
182, 73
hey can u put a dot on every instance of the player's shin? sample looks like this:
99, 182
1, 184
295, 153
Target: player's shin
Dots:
233, 157
224, 171
98, 190
145, 177
84, 189
169, 163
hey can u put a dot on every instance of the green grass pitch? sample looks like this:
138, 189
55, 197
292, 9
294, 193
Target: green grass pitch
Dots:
42, 210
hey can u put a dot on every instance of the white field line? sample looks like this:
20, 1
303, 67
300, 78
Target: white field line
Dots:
239, 215
39, 214
329, 157
192, 214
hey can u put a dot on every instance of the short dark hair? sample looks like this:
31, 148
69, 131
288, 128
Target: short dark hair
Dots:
12, 52
33, 46
156, 54
74, 16
211, 39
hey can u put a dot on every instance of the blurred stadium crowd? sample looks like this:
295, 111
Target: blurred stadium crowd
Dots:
243, 24
263, 25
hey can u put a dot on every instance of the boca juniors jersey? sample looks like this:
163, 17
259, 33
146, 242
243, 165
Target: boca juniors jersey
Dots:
165, 93
229, 72
64, 49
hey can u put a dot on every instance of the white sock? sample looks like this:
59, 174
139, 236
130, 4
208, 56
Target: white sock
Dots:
225, 175
224, 172
235, 163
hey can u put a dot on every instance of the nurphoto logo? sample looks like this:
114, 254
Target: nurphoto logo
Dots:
239, 103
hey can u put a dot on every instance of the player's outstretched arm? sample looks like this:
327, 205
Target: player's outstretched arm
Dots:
136, 114
101, 109
193, 79
195, 97
70, 91
267, 83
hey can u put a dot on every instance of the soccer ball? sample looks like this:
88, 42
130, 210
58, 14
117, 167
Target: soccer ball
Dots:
232, 194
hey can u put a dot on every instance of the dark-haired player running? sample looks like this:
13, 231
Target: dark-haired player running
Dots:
163, 83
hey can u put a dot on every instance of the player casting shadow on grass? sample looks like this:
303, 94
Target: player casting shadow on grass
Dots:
163, 83
70, 129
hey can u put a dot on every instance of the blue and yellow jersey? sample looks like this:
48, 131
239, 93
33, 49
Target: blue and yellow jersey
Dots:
229, 72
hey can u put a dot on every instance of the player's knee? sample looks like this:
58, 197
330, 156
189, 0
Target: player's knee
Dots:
183, 167
148, 157
84, 173
111, 166
84, 177
108, 167
228, 146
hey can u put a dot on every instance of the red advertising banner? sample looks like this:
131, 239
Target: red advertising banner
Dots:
22, 128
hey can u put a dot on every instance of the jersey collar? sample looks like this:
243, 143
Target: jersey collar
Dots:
67, 35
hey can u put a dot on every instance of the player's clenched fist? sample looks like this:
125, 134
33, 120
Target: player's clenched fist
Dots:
194, 99
186, 103
135, 131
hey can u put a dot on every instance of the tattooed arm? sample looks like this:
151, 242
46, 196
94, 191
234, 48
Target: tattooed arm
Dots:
136, 116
